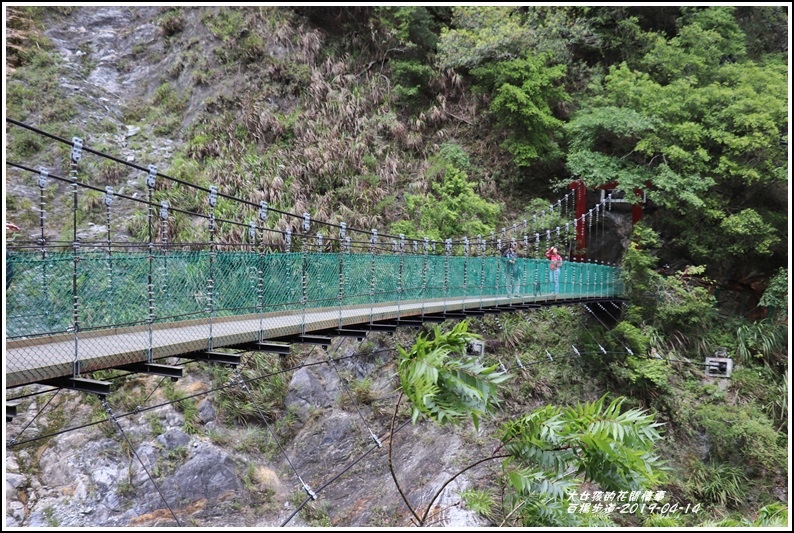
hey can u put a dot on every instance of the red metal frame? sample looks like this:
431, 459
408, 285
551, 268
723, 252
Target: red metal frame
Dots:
579, 253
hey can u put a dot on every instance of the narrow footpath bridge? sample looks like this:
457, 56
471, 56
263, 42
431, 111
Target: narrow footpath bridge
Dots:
93, 298
127, 282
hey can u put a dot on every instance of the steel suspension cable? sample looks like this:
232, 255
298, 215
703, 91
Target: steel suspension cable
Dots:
273, 434
240, 200
30, 394
181, 182
179, 400
117, 425
347, 390
240, 224
607, 328
343, 471
14, 439
641, 355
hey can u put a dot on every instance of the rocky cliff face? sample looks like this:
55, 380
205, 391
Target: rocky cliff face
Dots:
150, 468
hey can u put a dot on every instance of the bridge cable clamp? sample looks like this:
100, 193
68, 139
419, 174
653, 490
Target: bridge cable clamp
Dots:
77, 149
150, 178
43, 174
309, 491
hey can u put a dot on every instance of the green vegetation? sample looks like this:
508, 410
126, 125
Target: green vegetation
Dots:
184, 404
547, 454
718, 483
172, 21
49, 516
254, 398
446, 121
552, 450
443, 386
453, 209
523, 92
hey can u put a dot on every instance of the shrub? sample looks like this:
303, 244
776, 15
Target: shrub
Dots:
172, 22
742, 435
718, 483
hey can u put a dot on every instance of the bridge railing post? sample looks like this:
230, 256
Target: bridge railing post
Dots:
111, 295
210, 310
447, 252
260, 287
372, 244
344, 248
601, 273
304, 272
42, 183
597, 278
537, 281
513, 283
525, 267
164, 247
465, 270
401, 246
481, 247
563, 272
150, 182
588, 278
424, 274
77, 147
498, 245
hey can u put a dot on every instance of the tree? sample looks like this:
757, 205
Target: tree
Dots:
698, 126
444, 385
776, 295
553, 450
479, 34
523, 92
547, 454
666, 312
414, 30
453, 210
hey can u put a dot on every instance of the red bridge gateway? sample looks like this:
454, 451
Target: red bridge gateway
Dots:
617, 196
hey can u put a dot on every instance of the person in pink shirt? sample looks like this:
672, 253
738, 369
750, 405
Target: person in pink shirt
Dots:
554, 266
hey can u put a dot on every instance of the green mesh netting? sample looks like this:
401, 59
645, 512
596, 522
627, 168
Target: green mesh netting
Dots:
99, 290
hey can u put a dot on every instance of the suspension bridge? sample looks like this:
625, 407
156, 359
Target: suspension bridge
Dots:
86, 293
84, 302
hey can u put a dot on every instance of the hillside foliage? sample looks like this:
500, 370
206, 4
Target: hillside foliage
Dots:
444, 121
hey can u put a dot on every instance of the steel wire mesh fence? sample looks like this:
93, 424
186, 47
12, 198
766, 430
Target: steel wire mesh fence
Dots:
100, 288
148, 294
40, 289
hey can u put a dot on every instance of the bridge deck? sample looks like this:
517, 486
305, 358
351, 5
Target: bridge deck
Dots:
37, 359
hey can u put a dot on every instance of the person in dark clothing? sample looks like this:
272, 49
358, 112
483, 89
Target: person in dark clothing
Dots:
510, 256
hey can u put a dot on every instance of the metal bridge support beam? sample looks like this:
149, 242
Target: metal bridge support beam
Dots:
11, 410
306, 339
169, 371
214, 357
92, 386
268, 347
